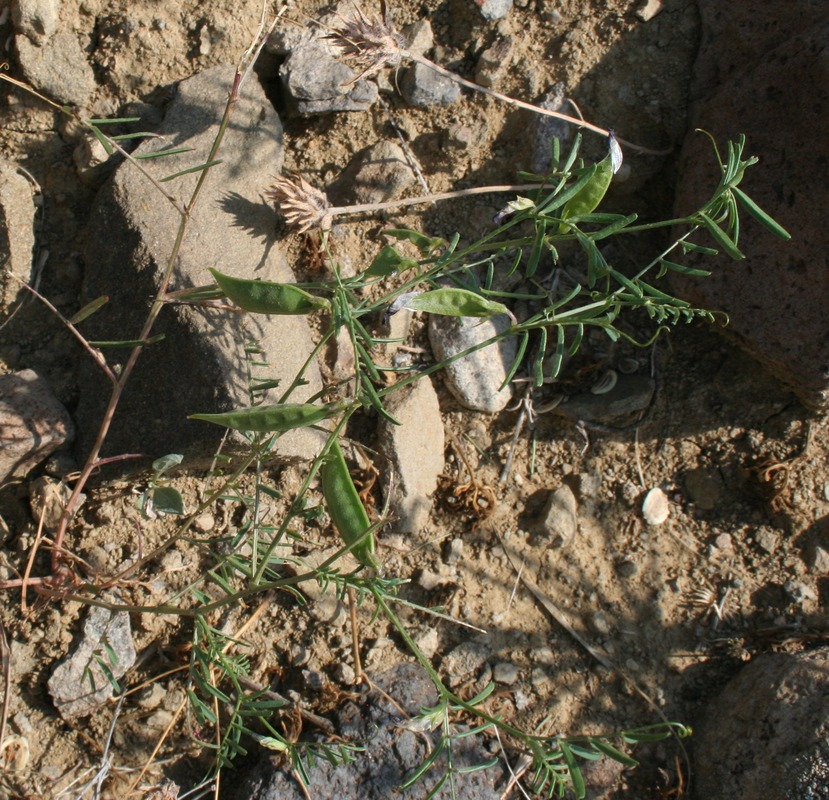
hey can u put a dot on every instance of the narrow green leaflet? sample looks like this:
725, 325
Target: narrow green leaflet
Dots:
388, 262
268, 297
198, 168
761, 216
455, 303
611, 752
272, 419
721, 237
89, 309
591, 194
426, 244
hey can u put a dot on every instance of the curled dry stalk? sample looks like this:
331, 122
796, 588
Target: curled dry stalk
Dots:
373, 43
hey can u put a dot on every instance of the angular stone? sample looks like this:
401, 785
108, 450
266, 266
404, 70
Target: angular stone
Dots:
37, 19
59, 69
17, 236
414, 449
375, 174
318, 83
80, 684
422, 86
200, 366
760, 65
494, 62
494, 9
765, 735
476, 378
33, 423
558, 521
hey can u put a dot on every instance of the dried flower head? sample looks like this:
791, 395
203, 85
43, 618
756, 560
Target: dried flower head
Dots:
303, 206
372, 43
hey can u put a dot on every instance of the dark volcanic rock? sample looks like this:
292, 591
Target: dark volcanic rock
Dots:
762, 69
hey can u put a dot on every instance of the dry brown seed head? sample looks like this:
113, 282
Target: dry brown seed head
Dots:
303, 206
371, 43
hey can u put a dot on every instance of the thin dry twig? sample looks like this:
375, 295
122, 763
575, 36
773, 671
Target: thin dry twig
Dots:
373, 43
6, 664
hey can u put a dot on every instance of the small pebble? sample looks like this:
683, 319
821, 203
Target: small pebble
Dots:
655, 509
627, 569
344, 674
314, 679
649, 9
494, 9
299, 655
151, 697
505, 672
422, 86
454, 552
204, 523
428, 642
599, 623
767, 540
820, 561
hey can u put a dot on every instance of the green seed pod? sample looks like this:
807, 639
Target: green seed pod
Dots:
345, 507
455, 303
587, 200
272, 419
267, 297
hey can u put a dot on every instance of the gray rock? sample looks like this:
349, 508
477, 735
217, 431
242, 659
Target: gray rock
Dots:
375, 174
317, 83
17, 236
422, 86
649, 9
465, 660
92, 162
37, 19
107, 640
47, 499
392, 753
505, 672
558, 520
768, 541
494, 62
767, 733
776, 297
494, 9
33, 423
631, 395
428, 641
820, 561
420, 37
627, 569
475, 379
599, 623
414, 450
59, 69
200, 366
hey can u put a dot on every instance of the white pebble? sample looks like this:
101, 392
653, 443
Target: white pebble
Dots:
655, 509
